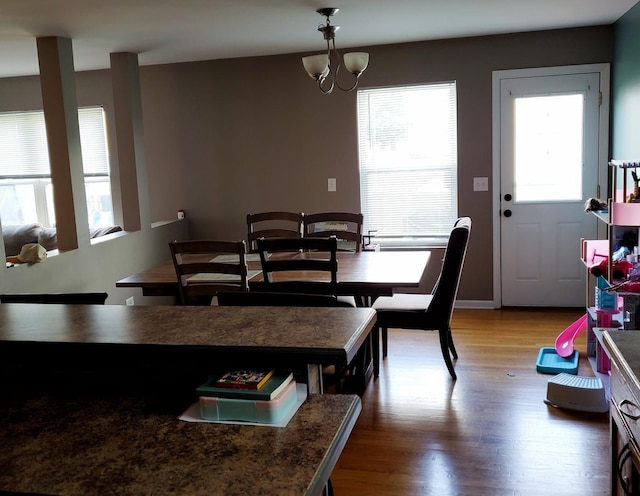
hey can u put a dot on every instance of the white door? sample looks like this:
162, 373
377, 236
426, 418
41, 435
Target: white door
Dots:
549, 149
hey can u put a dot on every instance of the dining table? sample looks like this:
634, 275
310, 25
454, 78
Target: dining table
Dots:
365, 274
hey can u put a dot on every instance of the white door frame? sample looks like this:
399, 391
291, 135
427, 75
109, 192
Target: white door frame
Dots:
603, 149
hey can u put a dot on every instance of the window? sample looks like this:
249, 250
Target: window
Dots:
26, 192
408, 163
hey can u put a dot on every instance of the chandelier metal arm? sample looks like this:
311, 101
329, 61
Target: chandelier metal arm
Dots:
334, 75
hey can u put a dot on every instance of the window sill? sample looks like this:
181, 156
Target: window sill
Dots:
409, 244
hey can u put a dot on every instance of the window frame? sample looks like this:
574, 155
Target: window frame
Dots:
38, 173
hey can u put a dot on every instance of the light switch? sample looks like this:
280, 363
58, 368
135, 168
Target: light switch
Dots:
480, 184
331, 184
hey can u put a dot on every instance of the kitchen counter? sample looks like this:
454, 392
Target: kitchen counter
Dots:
623, 347
70, 445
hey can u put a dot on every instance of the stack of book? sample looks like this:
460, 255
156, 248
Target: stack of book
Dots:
264, 396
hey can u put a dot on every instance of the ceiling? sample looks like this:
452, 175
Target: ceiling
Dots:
166, 31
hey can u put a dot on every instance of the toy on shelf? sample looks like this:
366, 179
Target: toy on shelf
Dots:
625, 164
564, 341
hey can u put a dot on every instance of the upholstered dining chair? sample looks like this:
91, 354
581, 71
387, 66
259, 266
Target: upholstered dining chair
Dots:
204, 268
56, 298
310, 267
345, 226
429, 312
272, 225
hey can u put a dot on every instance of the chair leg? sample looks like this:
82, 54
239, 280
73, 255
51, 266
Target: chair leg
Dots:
375, 352
444, 346
454, 353
384, 342
337, 375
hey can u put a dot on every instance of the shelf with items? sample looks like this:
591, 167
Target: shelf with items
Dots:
609, 259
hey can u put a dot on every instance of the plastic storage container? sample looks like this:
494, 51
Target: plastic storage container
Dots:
264, 411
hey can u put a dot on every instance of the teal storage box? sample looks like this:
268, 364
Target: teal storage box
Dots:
549, 362
263, 411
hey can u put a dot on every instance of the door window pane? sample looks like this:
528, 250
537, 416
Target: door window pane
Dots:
548, 148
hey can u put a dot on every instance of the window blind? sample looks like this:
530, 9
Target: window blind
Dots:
23, 143
408, 162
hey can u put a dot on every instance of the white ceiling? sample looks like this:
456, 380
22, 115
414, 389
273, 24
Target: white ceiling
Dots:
165, 31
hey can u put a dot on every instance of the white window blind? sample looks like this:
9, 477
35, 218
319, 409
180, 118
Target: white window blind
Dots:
23, 143
408, 163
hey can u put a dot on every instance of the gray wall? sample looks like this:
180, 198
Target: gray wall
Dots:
228, 137
255, 134
97, 266
626, 87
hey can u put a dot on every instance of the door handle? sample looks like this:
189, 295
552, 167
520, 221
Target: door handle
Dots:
507, 213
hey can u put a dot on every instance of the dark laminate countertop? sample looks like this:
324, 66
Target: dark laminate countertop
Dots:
198, 334
113, 445
624, 348
229, 327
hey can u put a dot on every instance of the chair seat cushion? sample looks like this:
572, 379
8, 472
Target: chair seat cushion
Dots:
408, 302
347, 300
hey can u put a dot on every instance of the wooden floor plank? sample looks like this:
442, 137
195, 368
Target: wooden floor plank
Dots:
488, 433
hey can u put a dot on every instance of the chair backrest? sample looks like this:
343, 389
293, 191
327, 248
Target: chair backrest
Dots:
299, 265
345, 226
272, 225
204, 268
445, 289
56, 298
275, 299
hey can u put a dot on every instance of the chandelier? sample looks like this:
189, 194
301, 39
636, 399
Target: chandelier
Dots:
320, 67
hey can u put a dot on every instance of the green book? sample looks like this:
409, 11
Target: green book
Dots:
270, 390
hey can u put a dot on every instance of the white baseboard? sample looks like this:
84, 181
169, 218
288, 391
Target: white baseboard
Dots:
475, 304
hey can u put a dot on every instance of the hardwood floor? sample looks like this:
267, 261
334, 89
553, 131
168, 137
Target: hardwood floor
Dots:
489, 433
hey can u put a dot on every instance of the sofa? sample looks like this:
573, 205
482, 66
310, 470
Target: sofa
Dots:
15, 236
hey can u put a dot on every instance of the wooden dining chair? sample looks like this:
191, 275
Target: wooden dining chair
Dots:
204, 268
345, 226
429, 312
272, 225
55, 298
309, 267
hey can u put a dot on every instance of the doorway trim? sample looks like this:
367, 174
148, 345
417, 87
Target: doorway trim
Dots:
603, 147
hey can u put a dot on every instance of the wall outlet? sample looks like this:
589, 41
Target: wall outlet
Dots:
331, 184
480, 184
129, 301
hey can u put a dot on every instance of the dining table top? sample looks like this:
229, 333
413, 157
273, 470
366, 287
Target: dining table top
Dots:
360, 273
